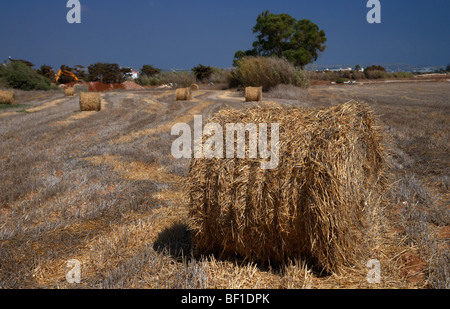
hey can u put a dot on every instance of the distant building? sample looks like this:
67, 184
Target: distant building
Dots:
134, 74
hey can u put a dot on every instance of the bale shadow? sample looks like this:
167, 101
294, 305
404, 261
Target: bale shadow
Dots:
175, 241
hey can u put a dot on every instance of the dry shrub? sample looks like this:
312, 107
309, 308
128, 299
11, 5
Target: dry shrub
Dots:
253, 94
268, 72
69, 92
90, 101
317, 204
194, 87
183, 94
7, 97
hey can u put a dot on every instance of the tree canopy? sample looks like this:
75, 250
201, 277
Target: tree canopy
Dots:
299, 41
202, 72
150, 70
108, 73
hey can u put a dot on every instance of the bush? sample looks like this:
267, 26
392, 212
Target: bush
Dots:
182, 79
268, 72
376, 74
402, 75
145, 80
18, 75
202, 72
150, 70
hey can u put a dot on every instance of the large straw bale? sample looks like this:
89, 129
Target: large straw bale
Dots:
90, 101
69, 92
7, 97
314, 205
253, 94
183, 94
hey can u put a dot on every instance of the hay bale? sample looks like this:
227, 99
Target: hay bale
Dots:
7, 97
183, 94
194, 87
90, 101
69, 92
253, 94
314, 205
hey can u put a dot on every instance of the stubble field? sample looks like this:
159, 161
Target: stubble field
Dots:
104, 189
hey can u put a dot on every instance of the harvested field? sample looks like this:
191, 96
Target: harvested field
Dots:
104, 189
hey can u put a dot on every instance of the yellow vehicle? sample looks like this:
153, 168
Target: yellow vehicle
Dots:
67, 73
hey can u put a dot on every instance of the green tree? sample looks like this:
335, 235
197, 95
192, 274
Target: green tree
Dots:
108, 73
47, 71
19, 75
26, 62
202, 72
80, 72
149, 70
281, 35
240, 54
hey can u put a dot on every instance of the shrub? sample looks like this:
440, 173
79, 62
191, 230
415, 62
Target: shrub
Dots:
376, 74
182, 79
18, 75
150, 70
402, 75
202, 72
219, 76
145, 80
268, 72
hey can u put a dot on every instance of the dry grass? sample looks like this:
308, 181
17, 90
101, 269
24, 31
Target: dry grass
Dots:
75, 192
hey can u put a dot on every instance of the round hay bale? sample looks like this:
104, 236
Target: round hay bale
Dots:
90, 101
316, 204
69, 92
194, 87
7, 97
253, 94
183, 94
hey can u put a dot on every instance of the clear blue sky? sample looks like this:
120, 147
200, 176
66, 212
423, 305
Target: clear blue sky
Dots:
181, 34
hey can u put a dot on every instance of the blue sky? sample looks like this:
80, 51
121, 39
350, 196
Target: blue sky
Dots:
180, 34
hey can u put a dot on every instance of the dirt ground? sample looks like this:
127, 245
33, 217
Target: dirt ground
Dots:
102, 188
